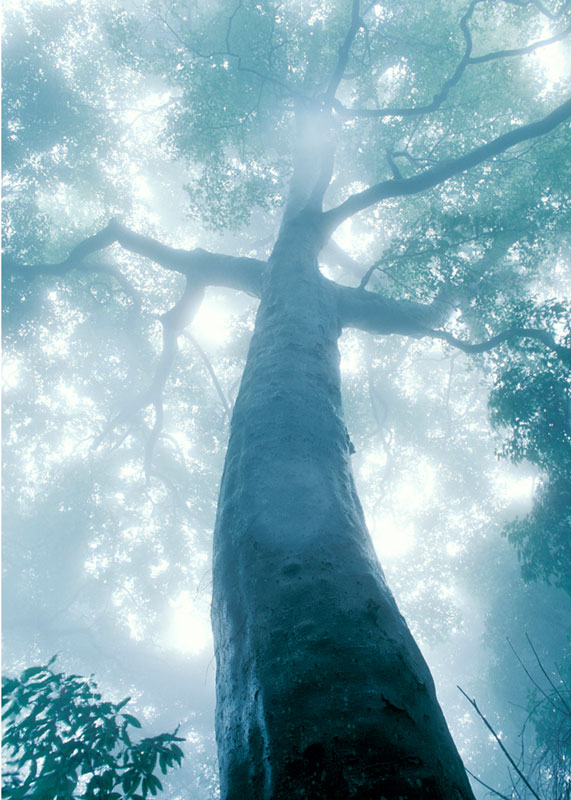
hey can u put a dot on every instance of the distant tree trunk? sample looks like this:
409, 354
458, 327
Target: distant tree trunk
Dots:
321, 689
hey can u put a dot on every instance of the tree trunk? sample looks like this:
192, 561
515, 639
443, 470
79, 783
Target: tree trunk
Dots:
321, 690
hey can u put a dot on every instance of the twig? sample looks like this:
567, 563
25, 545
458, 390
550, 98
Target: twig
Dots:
485, 785
498, 740
550, 682
530, 676
211, 372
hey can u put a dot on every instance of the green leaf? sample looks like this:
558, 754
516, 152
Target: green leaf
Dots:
120, 705
131, 720
30, 672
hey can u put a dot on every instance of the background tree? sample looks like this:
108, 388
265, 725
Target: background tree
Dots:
489, 245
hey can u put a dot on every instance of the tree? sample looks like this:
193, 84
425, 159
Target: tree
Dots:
321, 689
63, 740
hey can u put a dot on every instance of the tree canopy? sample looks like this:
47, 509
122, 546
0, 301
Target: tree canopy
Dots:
141, 142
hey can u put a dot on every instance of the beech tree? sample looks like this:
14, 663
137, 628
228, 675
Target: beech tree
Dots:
357, 155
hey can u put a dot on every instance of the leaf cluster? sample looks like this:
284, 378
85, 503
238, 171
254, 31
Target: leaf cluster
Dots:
532, 403
64, 741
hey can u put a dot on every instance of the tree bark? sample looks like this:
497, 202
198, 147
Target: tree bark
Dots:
321, 689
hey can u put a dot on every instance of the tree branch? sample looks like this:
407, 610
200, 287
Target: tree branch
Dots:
547, 676
452, 295
499, 741
446, 169
545, 337
212, 373
374, 313
344, 51
173, 322
520, 51
485, 785
199, 266
439, 97
466, 60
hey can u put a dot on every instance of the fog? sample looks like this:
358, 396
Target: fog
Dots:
108, 515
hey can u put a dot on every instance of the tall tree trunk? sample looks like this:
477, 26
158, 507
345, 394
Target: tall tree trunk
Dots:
321, 690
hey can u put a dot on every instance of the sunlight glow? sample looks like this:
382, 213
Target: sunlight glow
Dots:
514, 488
10, 372
554, 61
372, 462
453, 548
351, 354
189, 630
391, 538
56, 346
212, 322
413, 494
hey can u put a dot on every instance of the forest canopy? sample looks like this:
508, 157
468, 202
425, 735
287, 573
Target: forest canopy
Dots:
152, 154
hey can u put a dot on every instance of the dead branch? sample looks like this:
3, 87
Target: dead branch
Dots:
500, 743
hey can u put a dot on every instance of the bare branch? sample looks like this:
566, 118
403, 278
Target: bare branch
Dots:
530, 677
547, 676
485, 785
212, 373
397, 174
500, 743
446, 169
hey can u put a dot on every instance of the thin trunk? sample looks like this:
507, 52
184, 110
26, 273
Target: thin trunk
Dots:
321, 690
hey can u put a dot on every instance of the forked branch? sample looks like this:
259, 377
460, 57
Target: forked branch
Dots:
374, 313
467, 60
445, 169
199, 266
173, 322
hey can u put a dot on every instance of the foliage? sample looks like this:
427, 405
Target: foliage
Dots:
64, 741
531, 401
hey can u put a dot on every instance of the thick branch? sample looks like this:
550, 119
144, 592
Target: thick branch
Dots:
520, 51
446, 169
199, 266
545, 337
344, 51
373, 313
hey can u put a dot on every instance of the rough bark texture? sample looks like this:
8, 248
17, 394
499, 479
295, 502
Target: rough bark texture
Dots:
321, 690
